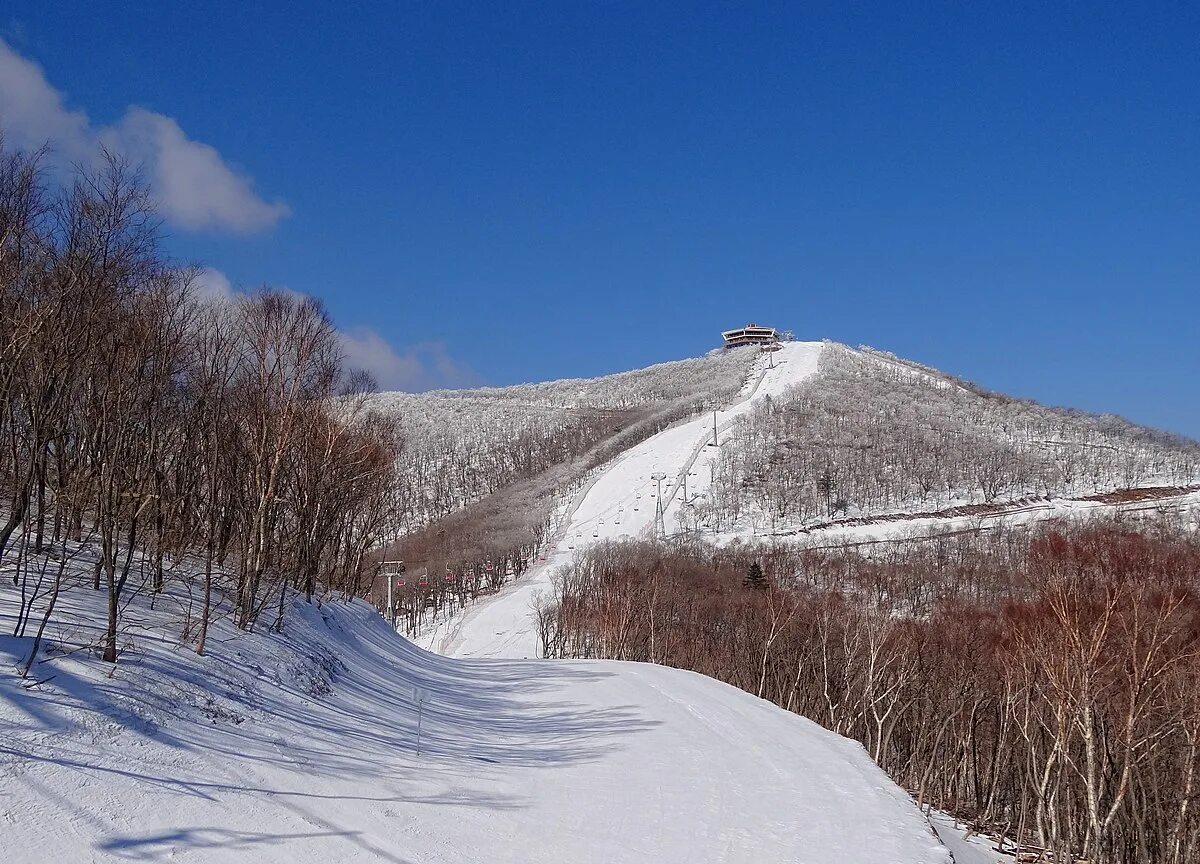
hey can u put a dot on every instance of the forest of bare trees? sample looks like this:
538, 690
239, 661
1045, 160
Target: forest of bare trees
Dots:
870, 434
220, 444
1042, 683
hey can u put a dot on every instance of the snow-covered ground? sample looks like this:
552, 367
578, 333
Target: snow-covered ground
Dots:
300, 747
619, 502
1184, 506
965, 847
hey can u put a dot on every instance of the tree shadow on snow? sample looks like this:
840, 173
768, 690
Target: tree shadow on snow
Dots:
267, 734
482, 717
153, 847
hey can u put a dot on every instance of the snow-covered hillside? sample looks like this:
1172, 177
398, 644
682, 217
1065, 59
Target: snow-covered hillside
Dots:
940, 439
1178, 505
621, 501
872, 436
300, 746
461, 445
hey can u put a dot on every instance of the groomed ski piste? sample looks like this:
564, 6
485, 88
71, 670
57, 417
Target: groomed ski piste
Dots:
301, 746
621, 501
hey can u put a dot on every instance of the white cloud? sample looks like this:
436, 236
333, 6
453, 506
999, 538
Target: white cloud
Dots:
32, 111
196, 188
426, 366
211, 284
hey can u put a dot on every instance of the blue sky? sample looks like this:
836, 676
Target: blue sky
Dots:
505, 192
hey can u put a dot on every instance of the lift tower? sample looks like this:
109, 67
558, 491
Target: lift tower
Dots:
660, 511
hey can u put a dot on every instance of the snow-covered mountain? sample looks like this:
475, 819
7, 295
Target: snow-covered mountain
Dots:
829, 440
870, 435
861, 434
301, 745
622, 500
462, 445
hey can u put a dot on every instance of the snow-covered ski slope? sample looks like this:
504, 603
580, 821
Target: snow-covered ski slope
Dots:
299, 747
621, 502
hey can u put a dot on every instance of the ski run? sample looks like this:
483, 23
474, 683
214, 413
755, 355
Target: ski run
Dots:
301, 746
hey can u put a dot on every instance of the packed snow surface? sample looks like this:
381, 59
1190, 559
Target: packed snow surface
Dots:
300, 747
622, 502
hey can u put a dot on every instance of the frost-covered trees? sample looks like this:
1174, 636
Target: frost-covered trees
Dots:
461, 446
870, 435
482, 469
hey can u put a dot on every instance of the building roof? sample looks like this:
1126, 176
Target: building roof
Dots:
750, 333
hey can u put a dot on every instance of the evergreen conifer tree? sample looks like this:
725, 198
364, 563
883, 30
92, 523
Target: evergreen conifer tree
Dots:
755, 578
